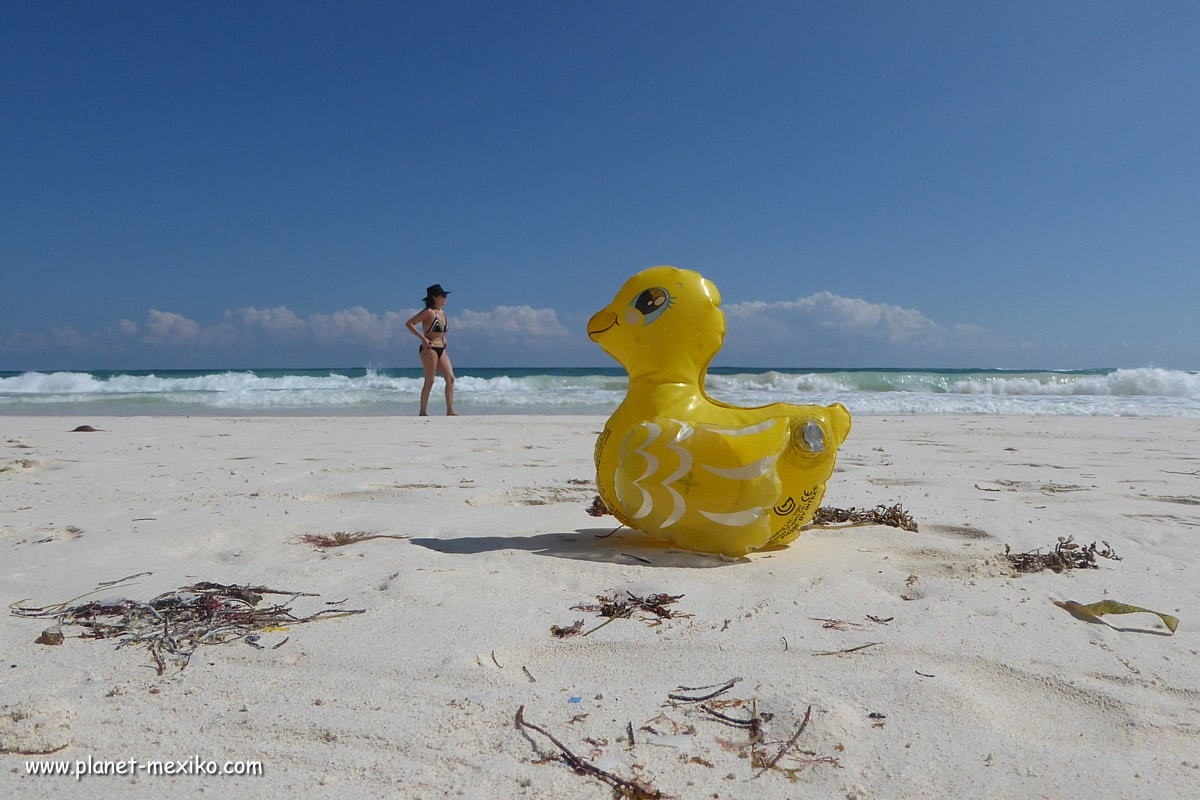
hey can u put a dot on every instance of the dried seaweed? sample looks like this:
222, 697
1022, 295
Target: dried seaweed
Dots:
173, 625
892, 516
616, 606
803, 724
571, 630
729, 684
836, 624
1093, 611
632, 790
598, 508
341, 538
1067, 555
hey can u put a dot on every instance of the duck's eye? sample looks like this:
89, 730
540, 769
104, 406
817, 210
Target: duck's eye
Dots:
651, 303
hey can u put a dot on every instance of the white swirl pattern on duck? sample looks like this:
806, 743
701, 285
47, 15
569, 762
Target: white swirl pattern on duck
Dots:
750, 471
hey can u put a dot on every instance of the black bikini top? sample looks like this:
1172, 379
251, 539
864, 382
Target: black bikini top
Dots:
438, 326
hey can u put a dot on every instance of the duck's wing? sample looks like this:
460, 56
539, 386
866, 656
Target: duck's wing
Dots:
706, 487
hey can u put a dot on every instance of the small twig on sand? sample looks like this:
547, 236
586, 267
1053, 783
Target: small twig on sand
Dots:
688, 699
341, 538
751, 723
122, 580
633, 790
494, 661
791, 741
610, 533
847, 650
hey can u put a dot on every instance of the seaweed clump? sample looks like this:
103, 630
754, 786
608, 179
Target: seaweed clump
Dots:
1067, 554
174, 624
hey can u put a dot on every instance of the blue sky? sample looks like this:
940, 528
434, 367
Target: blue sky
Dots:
950, 184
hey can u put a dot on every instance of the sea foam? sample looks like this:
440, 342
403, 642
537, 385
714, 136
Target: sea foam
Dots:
1145, 391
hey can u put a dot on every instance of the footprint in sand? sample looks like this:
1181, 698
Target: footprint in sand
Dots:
1168, 519
24, 465
34, 729
1182, 501
45, 535
535, 496
965, 531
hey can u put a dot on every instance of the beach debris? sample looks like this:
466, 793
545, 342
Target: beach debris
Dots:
1093, 611
1068, 554
598, 508
729, 684
750, 724
50, 636
341, 538
883, 621
626, 789
835, 624
564, 633
892, 516
847, 650
716, 706
610, 533
174, 624
803, 724
617, 607
84, 429
652, 604
122, 580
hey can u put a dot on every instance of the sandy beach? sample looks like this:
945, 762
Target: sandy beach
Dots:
927, 666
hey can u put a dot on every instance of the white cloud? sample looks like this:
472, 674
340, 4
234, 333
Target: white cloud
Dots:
851, 315
165, 328
280, 321
354, 328
856, 323
514, 324
821, 329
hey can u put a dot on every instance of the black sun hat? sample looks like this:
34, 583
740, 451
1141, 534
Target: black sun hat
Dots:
434, 291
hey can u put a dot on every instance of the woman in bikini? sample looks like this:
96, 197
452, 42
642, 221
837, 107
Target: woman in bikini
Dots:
433, 346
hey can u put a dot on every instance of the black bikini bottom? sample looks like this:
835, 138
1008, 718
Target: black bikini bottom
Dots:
438, 350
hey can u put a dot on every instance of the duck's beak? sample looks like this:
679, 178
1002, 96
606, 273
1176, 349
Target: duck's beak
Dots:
600, 322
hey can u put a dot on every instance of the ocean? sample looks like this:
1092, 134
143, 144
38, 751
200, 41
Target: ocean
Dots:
342, 392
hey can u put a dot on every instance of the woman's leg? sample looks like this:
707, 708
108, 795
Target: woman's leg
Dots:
428, 363
447, 370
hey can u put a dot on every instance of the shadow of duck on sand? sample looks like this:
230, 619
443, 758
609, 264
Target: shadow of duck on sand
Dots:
625, 547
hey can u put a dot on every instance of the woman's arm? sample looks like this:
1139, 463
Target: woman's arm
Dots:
419, 317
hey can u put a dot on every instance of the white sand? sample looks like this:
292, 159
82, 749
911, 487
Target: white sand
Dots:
986, 688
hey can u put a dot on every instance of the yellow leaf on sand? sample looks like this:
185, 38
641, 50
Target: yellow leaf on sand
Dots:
1093, 611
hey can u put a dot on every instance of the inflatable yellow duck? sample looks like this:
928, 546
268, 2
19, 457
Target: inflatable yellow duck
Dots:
676, 464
